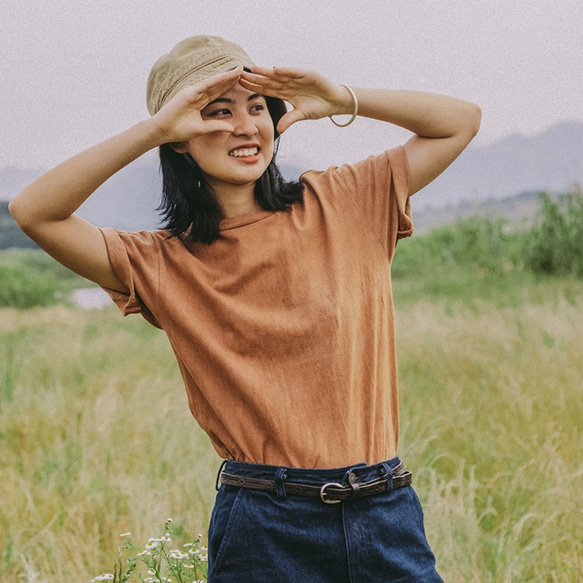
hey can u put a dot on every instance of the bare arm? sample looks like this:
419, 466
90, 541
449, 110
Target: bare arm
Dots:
44, 210
443, 126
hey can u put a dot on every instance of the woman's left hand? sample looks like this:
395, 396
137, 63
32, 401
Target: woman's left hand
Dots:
311, 94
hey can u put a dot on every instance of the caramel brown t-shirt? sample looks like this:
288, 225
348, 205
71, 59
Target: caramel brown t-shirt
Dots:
283, 327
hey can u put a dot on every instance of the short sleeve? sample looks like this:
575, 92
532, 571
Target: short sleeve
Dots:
134, 258
379, 186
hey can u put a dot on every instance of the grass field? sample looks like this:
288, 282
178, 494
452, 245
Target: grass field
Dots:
96, 439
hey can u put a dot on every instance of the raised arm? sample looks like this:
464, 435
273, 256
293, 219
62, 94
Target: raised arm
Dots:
443, 126
44, 210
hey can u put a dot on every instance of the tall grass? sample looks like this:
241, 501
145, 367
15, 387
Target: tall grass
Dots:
491, 403
96, 439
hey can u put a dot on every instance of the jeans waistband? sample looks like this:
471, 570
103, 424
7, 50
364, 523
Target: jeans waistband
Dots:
362, 472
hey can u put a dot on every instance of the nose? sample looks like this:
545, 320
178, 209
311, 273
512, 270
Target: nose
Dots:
244, 125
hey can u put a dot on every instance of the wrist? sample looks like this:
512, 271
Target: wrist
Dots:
343, 103
152, 134
346, 109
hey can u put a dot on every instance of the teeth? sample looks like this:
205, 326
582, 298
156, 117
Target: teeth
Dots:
245, 152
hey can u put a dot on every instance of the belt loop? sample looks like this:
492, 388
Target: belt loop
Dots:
388, 471
217, 481
349, 479
280, 476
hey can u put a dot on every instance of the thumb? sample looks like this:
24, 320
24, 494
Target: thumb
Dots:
289, 119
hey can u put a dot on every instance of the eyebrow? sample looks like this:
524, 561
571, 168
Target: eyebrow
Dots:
227, 100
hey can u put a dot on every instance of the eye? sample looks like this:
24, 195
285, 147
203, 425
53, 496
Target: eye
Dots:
258, 107
218, 113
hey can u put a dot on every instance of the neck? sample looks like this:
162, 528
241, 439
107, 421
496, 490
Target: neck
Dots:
237, 199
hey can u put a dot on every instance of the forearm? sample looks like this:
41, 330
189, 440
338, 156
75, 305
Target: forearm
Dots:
61, 191
427, 115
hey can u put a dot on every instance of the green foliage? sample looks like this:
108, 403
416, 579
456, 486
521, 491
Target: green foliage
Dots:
484, 245
97, 438
554, 244
30, 278
163, 566
482, 252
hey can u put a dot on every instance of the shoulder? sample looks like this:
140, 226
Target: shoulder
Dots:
141, 244
371, 172
137, 238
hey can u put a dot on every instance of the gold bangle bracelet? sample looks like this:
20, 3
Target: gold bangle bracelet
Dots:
354, 113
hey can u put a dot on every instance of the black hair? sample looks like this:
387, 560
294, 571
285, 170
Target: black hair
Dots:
190, 207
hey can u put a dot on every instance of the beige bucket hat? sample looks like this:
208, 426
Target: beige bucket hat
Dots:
190, 61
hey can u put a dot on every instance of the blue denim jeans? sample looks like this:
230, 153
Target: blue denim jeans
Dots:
261, 537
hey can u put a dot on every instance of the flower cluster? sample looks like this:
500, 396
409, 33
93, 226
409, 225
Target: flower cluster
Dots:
161, 565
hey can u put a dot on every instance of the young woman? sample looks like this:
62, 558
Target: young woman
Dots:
276, 299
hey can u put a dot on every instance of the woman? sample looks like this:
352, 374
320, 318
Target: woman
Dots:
276, 299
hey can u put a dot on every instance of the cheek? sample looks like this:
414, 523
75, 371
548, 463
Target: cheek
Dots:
269, 141
203, 148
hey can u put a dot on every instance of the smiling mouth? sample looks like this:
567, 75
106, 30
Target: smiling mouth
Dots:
244, 152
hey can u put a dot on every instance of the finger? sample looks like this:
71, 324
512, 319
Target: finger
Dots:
265, 86
278, 72
209, 126
259, 81
217, 85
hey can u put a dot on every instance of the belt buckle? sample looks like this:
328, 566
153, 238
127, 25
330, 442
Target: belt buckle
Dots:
324, 494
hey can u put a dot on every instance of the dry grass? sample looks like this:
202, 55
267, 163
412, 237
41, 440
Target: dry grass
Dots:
96, 439
491, 400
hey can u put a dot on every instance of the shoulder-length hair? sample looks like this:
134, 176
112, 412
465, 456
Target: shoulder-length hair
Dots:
190, 207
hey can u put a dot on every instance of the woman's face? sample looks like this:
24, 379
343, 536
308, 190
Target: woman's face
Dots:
241, 156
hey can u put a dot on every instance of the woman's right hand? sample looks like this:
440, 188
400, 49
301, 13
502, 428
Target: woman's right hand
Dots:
180, 120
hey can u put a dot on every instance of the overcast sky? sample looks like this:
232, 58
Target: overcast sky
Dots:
74, 72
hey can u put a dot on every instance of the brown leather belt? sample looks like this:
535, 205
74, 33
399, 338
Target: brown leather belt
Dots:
330, 493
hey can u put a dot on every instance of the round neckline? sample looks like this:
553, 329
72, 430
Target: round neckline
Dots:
245, 219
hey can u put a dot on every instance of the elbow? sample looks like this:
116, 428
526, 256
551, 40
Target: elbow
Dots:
15, 211
21, 216
474, 119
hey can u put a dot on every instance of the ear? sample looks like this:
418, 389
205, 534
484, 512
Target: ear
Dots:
179, 147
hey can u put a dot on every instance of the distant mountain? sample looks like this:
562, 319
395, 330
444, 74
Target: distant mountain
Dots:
551, 161
128, 200
518, 210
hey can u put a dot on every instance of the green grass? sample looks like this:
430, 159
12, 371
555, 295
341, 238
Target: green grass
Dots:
96, 438
491, 409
